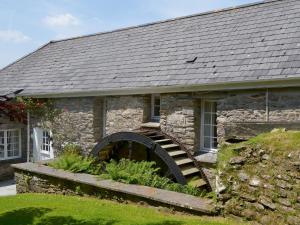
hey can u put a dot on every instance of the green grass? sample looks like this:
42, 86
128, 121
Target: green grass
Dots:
42, 209
277, 143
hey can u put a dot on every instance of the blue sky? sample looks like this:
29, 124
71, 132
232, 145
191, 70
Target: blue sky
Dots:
27, 24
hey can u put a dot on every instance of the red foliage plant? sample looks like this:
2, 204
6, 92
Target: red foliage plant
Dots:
15, 111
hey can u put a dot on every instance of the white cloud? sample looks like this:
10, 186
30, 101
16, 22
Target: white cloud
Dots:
13, 36
62, 20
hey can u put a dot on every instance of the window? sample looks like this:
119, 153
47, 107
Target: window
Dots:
10, 144
208, 126
46, 143
155, 107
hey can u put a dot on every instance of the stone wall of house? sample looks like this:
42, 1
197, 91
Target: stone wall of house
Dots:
126, 113
247, 113
178, 118
6, 171
80, 121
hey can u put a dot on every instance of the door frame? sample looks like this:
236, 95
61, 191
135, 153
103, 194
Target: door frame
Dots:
37, 145
202, 112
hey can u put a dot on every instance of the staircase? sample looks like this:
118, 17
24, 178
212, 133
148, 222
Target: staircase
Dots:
187, 164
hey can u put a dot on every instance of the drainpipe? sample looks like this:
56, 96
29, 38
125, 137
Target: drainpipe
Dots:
28, 136
267, 105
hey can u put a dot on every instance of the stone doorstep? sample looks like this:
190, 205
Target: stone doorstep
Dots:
207, 158
178, 200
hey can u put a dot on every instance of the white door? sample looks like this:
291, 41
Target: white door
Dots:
42, 144
208, 132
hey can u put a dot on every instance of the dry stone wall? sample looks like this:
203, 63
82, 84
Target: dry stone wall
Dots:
262, 186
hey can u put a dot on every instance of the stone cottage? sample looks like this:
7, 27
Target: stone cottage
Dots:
218, 76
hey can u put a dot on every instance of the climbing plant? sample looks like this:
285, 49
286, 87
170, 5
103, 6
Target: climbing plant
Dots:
16, 109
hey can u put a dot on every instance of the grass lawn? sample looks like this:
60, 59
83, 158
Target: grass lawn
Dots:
42, 209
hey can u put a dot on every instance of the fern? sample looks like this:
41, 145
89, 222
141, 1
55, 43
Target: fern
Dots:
76, 164
144, 173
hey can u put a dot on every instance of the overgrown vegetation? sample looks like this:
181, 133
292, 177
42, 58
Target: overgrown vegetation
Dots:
125, 171
144, 173
260, 177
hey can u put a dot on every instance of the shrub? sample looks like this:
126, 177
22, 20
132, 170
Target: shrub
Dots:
144, 173
76, 163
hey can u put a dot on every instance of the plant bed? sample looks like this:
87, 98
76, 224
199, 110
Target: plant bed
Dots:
38, 178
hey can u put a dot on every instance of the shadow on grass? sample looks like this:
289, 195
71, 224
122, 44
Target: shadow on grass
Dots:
68, 220
24, 216
36, 216
167, 222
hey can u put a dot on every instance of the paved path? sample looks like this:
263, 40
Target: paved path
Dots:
7, 188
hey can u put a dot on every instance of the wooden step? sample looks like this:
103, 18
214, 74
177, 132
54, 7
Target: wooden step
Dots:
162, 140
189, 171
169, 146
197, 183
159, 136
176, 153
149, 133
182, 161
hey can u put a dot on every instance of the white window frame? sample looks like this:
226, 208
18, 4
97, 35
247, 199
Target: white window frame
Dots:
204, 149
153, 117
49, 145
5, 144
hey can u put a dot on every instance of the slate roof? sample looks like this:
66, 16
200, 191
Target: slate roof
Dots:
248, 43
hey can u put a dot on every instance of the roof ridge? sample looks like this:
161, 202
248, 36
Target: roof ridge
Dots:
172, 19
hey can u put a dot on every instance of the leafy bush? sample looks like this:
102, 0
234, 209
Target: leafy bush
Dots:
76, 163
144, 173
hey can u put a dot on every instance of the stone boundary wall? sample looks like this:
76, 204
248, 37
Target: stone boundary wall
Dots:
38, 178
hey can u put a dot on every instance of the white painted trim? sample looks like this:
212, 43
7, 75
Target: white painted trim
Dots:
50, 153
202, 148
5, 145
260, 84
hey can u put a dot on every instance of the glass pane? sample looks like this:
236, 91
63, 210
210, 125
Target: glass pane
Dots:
1, 151
157, 101
9, 153
215, 143
213, 107
207, 107
215, 131
156, 111
207, 118
207, 142
207, 130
